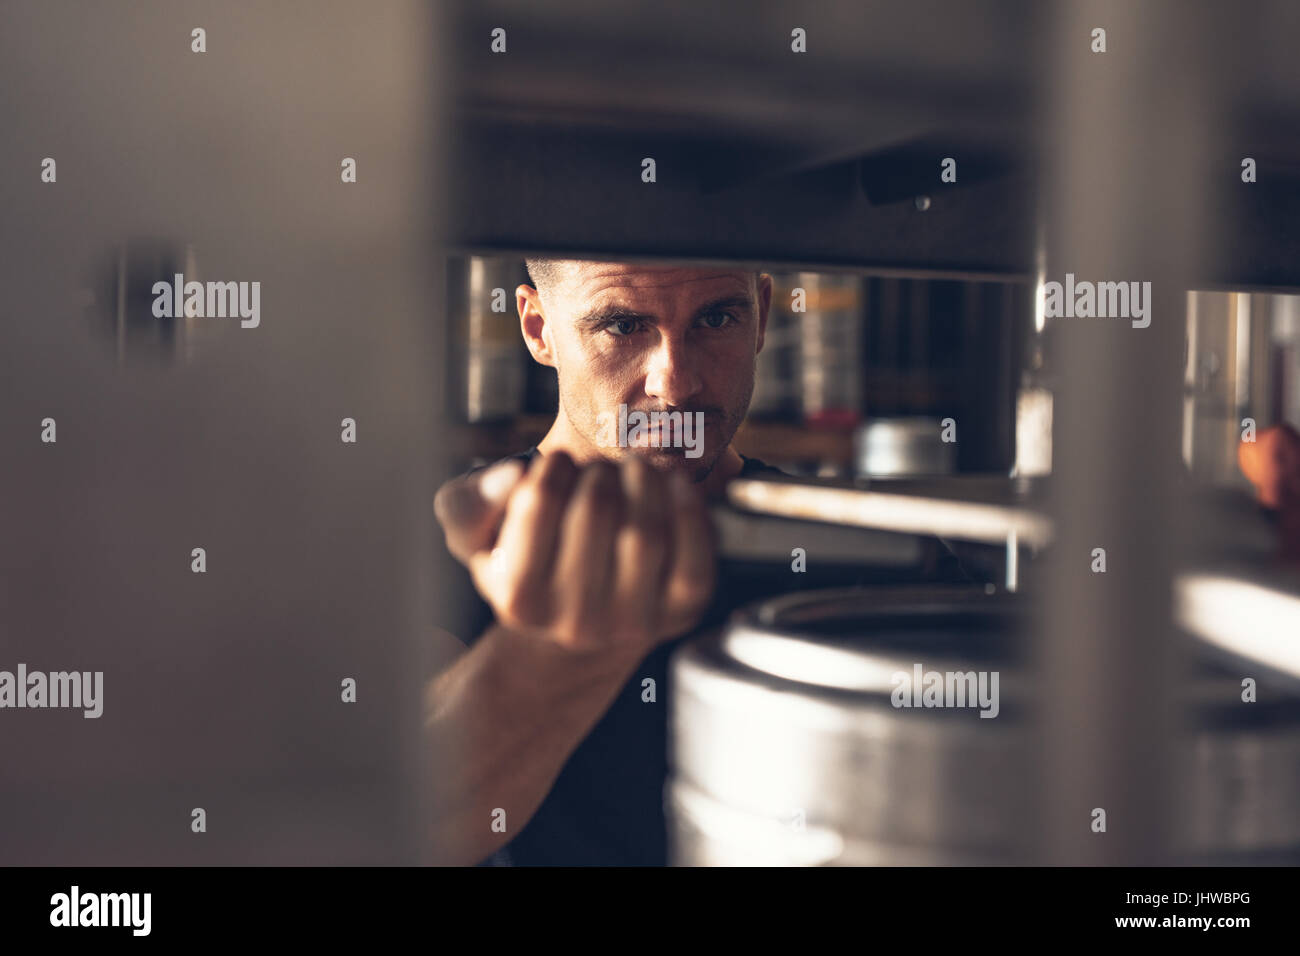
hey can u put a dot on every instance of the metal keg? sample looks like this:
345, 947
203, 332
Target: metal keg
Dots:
1242, 766
810, 731
905, 447
492, 352
830, 347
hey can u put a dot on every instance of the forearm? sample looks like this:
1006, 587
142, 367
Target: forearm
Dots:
503, 719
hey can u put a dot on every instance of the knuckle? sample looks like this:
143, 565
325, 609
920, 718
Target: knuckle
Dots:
532, 500
527, 491
631, 632
694, 601
603, 487
635, 473
603, 473
554, 476
693, 592
450, 503
645, 537
579, 631
517, 607
644, 560
510, 610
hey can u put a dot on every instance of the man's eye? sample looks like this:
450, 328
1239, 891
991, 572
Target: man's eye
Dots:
622, 326
718, 320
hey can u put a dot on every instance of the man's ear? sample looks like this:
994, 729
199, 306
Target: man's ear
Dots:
764, 305
532, 323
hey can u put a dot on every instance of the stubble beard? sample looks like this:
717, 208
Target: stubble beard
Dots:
665, 459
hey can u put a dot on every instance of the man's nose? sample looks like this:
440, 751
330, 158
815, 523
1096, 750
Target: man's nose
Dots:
671, 376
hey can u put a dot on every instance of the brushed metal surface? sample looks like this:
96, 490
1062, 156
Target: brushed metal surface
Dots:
786, 748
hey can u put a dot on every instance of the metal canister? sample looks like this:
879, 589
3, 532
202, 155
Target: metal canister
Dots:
830, 347
802, 734
904, 447
494, 353
787, 747
1242, 766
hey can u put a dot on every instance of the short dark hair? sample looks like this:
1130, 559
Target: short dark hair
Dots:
544, 273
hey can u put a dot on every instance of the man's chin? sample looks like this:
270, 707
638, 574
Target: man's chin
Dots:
675, 459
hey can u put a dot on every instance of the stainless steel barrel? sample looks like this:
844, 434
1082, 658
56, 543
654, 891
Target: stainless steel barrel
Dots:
908, 447
845, 728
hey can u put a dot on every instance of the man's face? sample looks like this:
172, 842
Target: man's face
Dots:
655, 339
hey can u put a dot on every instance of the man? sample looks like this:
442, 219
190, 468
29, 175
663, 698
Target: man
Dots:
595, 558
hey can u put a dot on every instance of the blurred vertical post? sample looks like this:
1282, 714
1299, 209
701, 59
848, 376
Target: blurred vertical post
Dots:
298, 452
1124, 198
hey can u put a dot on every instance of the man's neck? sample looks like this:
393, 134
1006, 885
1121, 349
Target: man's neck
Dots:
562, 438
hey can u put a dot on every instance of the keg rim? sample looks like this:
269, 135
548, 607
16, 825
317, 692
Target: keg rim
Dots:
778, 636
773, 637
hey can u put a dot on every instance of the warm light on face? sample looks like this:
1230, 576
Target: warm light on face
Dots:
653, 341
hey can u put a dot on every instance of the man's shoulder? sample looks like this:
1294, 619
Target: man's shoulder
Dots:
753, 467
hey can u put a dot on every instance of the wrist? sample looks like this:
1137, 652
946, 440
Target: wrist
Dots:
548, 652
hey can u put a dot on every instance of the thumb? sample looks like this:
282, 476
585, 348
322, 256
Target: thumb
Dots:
470, 509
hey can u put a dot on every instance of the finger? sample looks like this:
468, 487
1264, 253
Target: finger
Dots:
525, 548
583, 570
691, 569
640, 552
470, 508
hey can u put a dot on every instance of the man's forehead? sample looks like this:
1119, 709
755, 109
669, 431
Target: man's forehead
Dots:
591, 279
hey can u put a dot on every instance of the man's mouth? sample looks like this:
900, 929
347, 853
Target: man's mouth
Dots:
660, 432
656, 435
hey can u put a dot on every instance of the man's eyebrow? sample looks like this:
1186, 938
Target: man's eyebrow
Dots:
606, 314
741, 303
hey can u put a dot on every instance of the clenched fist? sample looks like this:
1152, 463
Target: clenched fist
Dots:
591, 557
